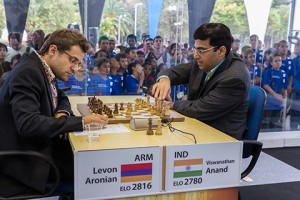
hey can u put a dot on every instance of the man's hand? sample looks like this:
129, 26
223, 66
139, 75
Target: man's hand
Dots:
95, 118
161, 89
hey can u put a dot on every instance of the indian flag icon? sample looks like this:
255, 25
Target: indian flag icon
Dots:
187, 168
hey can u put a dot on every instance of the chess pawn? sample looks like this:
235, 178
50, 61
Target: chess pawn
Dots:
128, 112
149, 130
153, 110
158, 130
136, 106
122, 107
116, 111
167, 110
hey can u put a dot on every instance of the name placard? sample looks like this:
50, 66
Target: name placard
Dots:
203, 166
117, 173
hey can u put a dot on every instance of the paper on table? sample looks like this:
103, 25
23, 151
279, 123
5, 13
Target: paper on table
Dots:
108, 129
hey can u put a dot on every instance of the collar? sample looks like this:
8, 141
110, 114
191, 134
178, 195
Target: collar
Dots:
211, 72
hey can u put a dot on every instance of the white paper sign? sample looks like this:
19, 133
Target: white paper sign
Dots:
109, 174
203, 166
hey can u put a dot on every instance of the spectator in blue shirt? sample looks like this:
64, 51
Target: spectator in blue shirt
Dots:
275, 82
254, 70
118, 79
134, 79
101, 84
295, 106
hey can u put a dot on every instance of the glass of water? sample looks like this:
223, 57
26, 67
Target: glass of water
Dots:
93, 131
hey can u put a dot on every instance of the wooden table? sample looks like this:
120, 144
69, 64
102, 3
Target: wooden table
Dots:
138, 141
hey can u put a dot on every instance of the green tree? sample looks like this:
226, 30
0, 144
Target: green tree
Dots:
233, 14
110, 18
168, 21
51, 16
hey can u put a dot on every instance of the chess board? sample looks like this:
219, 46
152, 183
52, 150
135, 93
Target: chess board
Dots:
123, 118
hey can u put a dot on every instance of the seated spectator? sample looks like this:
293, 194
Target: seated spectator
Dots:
118, 79
149, 80
123, 70
254, 70
13, 62
131, 54
38, 39
140, 57
134, 79
101, 84
275, 82
131, 41
15, 46
235, 46
78, 82
111, 47
4, 65
244, 48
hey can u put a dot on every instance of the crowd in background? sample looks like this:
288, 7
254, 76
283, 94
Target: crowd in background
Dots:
132, 68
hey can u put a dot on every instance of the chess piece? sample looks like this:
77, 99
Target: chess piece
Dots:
116, 111
167, 110
149, 130
158, 130
109, 114
129, 109
153, 110
122, 107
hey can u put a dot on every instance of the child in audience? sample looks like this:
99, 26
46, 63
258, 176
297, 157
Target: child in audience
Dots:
123, 70
118, 79
149, 79
78, 82
131, 54
134, 79
4, 65
101, 84
275, 83
254, 70
140, 57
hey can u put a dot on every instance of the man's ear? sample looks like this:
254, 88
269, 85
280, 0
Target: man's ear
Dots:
222, 51
52, 50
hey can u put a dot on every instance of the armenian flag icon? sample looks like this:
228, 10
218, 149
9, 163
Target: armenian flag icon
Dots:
136, 172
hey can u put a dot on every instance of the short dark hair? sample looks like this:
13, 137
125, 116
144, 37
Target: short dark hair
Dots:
15, 57
127, 51
2, 45
236, 40
139, 52
64, 39
131, 36
130, 66
99, 63
120, 55
15, 35
254, 35
158, 36
219, 35
273, 56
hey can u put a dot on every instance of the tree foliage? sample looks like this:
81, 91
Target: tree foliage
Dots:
50, 16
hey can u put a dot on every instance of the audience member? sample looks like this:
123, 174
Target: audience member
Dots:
101, 84
275, 83
254, 70
131, 41
134, 79
16, 46
118, 79
4, 65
